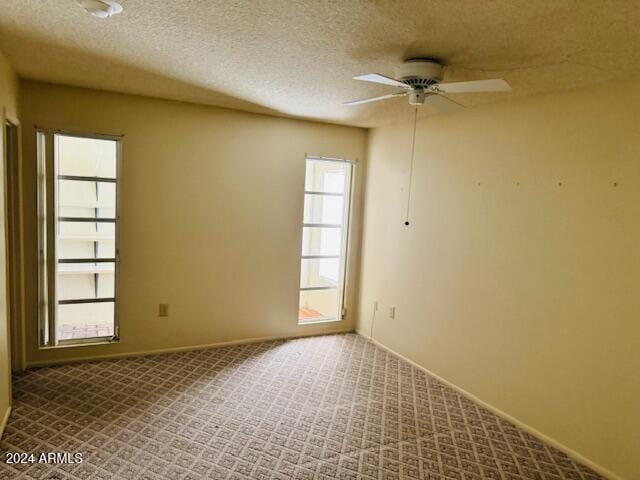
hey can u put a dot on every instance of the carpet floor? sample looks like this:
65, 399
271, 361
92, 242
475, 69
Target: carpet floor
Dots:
326, 407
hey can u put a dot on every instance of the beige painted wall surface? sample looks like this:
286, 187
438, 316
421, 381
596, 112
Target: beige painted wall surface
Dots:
523, 292
8, 103
211, 214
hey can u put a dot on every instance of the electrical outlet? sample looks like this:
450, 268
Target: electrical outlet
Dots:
163, 310
392, 312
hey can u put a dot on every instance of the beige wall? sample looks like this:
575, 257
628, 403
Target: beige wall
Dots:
211, 214
520, 291
8, 105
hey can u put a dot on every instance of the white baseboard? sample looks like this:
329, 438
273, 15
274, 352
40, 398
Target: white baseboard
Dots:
5, 419
541, 436
142, 353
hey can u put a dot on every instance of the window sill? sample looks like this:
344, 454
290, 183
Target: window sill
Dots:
322, 320
88, 343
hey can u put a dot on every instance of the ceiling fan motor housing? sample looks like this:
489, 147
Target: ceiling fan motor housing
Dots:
420, 72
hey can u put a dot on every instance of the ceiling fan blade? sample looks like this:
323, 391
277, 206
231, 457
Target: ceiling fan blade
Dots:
493, 85
375, 99
444, 104
377, 78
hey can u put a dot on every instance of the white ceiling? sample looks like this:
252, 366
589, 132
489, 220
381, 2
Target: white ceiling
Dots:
297, 57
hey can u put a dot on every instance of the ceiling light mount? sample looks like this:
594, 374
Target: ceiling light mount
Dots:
100, 8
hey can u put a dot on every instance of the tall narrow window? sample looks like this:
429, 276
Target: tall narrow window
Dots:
324, 239
78, 226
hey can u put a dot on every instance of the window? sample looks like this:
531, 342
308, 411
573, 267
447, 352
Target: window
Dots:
78, 226
324, 239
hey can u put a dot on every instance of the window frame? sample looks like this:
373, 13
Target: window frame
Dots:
47, 201
347, 204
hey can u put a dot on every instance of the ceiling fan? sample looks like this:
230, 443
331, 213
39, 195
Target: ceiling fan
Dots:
419, 79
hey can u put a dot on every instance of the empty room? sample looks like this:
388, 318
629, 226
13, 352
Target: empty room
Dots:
320, 239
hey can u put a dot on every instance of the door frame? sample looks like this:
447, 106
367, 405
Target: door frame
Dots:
13, 224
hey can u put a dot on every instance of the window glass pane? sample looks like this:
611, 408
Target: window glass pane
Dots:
86, 231
69, 248
323, 209
85, 320
86, 157
326, 204
86, 199
80, 281
324, 176
319, 272
316, 305
62, 238
321, 241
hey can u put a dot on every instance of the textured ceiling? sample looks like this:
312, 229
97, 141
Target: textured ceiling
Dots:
297, 57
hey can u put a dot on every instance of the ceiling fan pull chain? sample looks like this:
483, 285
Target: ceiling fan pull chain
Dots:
413, 149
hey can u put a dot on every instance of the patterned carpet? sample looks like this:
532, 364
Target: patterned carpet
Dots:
315, 408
